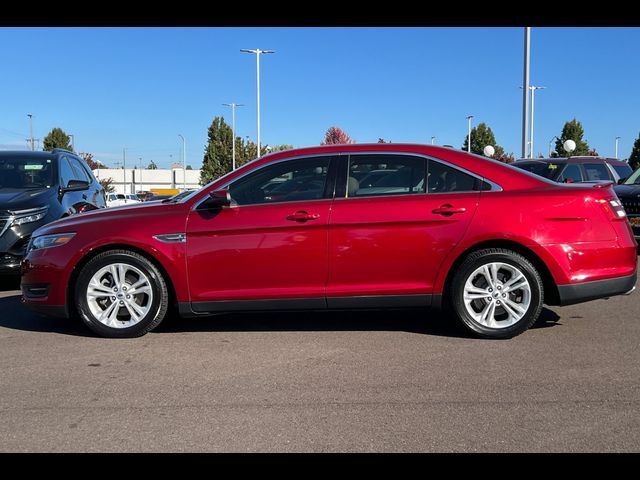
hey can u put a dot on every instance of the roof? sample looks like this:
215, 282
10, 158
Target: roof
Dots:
577, 158
26, 154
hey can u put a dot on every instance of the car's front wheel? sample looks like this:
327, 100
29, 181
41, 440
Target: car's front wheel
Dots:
496, 293
121, 294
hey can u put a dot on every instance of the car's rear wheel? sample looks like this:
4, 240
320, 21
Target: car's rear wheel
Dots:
121, 294
496, 293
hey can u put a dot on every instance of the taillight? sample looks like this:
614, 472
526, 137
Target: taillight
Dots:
613, 208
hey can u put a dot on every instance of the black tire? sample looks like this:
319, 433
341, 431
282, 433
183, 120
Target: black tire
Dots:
483, 257
158, 304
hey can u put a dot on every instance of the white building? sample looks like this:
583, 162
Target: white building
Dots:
132, 180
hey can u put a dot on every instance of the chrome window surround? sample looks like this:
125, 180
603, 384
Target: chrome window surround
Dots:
494, 186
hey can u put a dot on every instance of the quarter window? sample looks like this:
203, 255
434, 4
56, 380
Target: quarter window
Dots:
294, 180
444, 179
371, 175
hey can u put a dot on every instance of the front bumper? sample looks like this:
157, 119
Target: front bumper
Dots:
586, 291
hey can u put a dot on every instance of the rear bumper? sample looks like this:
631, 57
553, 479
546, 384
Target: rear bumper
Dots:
586, 291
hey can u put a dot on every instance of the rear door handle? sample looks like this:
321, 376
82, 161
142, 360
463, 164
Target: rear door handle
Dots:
447, 209
302, 216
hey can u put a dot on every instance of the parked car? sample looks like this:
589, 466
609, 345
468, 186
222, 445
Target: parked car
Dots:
37, 188
577, 169
628, 191
121, 199
489, 241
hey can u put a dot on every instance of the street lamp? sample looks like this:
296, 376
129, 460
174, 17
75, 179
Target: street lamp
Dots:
233, 130
533, 96
569, 146
617, 138
141, 189
257, 51
554, 138
489, 151
433, 140
469, 117
184, 160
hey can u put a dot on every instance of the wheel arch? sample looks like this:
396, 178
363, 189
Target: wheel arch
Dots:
552, 297
117, 246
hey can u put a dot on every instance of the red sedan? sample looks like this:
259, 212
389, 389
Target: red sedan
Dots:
341, 227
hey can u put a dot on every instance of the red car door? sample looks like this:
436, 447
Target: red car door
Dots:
388, 238
271, 244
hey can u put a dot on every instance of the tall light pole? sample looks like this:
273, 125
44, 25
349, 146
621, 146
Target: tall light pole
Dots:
433, 140
233, 130
533, 94
141, 189
30, 115
184, 163
617, 138
469, 117
257, 51
124, 171
525, 91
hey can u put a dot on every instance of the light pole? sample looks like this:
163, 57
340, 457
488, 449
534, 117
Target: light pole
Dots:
533, 94
141, 189
184, 163
433, 140
617, 138
257, 51
525, 91
72, 147
554, 138
30, 115
124, 171
469, 117
233, 130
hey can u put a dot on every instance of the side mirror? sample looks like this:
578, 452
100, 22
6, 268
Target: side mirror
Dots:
622, 180
217, 199
75, 186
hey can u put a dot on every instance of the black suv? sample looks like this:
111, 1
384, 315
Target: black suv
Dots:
37, 188
628, 191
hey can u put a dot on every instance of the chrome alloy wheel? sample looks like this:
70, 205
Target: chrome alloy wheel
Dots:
497, 295
119, 295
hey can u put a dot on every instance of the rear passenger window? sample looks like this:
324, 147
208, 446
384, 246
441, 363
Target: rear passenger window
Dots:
371, 175
573, 172
81, 173
442, 179
596, 171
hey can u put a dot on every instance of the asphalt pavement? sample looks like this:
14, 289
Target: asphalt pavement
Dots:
395, 381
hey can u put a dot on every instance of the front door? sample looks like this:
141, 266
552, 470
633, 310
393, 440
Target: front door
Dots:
391, 230
270, 246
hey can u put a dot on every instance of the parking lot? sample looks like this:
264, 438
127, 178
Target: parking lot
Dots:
318, 382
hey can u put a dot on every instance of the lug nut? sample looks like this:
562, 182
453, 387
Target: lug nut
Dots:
113, 298
491, 289
504, 294
498, 302
499, 287
128, 296
124, 289
122, 303
115, 289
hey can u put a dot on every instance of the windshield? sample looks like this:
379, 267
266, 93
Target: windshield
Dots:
22, 173
634, 179
546, 170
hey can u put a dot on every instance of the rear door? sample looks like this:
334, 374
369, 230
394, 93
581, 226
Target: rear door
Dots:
388, 239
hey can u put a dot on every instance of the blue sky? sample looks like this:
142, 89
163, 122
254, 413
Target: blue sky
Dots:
141, 87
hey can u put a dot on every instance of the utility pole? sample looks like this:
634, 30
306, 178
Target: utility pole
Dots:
533, 95
469, 117
124, 167
525, 91
617, 138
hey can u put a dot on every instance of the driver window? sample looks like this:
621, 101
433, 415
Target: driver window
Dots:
294, 180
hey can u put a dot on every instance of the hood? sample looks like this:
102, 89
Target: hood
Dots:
627, 190
22, 199
108, 217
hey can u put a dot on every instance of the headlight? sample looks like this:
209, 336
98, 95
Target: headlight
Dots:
48, 241
27, 216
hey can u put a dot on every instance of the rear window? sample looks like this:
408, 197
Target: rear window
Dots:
596, 171
623, 171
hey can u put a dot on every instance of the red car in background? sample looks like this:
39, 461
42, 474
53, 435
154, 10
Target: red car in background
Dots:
297, 230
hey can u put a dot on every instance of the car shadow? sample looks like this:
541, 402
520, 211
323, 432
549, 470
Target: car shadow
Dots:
9, 282
16, 316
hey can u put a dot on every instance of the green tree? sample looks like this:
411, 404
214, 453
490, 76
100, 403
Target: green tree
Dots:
572, 130
481, 136
189, 167
217, 154
56, 138
634, 158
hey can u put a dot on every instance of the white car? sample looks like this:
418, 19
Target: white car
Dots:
120, 199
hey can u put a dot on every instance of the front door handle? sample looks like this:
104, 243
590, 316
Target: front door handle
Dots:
448, 209
302, 216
